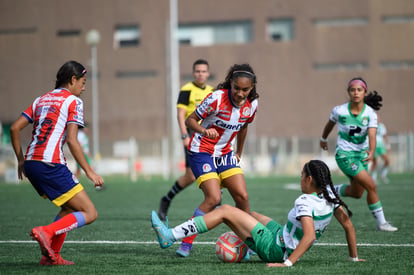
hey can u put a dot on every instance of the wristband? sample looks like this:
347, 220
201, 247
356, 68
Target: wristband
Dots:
289, 263
324, 139
351, 259
184, 136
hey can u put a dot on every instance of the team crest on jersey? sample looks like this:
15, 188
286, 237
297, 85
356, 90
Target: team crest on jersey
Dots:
206, 167
354, 167
246, 111
365, 121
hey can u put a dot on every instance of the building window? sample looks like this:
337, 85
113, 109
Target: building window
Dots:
336, 22
135, 74
281, 29
398, 19
397, 64
28, 30
189, 78
215, 33
67, 33
355, 66
126, 36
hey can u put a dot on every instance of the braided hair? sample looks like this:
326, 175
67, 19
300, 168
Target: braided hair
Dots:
372, 99
322, 178
240, 70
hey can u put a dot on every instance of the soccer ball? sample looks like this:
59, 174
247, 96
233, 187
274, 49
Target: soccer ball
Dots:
230, 248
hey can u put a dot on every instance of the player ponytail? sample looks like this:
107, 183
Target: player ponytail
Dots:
373, 99
240, 70
65, 73
322, 177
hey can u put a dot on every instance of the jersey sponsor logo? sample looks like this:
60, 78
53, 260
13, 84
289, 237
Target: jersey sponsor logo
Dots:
210, 110
225, 113
53, 98
224, 116
226, 160
52, 109
38, 111
206, 167
224, 125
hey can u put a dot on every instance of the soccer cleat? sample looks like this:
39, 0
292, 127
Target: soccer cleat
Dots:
249, 253
385, 179
386, 227
164, 205
59, 261
45, 241
184, 250
164, 234
338, 189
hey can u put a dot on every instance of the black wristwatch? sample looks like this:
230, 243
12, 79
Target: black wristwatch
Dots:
184, 136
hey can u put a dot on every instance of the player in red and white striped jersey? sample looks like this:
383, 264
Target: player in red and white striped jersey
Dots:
56, 117
219, 112
225, 115
50, 114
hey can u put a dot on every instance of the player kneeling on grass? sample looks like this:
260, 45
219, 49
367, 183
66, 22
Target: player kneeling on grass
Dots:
276, 244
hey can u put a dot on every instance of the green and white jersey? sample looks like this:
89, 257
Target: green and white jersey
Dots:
311, 205
84, 141
381, 132
353, 130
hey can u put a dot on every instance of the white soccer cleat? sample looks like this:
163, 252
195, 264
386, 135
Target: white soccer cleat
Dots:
386, 227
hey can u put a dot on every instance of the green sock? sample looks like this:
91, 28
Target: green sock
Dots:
342, 190
200, 224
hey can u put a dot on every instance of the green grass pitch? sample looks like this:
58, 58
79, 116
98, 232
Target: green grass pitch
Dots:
121, 240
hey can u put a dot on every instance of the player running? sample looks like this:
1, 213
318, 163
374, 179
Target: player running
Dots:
56, 117
357, 127
382, 150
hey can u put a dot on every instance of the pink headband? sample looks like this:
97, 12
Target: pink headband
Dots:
357, 82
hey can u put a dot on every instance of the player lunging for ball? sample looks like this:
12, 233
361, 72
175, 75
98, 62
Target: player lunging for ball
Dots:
276, 244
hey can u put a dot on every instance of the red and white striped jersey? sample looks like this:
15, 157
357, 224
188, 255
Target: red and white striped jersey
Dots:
50, 114
217, 111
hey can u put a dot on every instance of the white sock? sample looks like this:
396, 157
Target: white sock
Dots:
379, 215
384, 172
340, 189
374, 175
185, 229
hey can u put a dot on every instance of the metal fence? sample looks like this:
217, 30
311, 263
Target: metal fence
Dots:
262, 156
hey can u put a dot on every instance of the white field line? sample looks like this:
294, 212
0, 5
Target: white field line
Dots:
206, 243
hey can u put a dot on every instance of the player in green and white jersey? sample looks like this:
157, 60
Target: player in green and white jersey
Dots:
357, 128
278, 245
382, 150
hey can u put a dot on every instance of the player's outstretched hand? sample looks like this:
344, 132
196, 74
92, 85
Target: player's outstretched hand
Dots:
95, 178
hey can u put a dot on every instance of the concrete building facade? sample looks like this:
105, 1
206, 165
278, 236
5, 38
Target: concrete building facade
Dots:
303, 52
